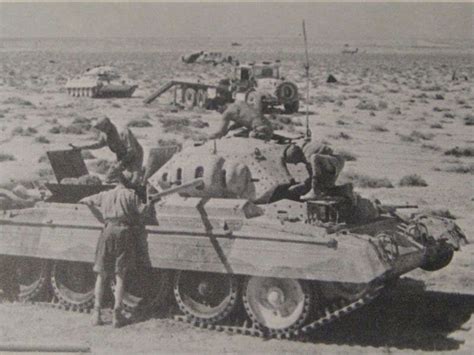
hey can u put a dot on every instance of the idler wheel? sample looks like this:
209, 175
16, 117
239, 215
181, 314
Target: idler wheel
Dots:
73, 283
277, 305
146, 289
32, 275
206, 297
441, 257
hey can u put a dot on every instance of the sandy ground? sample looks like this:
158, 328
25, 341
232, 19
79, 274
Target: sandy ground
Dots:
396, 114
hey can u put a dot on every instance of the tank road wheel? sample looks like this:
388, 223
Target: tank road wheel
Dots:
206, 297
32, 275
279, 306
148, 291
189, 97
73, 284
201, 98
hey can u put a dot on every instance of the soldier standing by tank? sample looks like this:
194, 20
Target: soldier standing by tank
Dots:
244, 115
125, 145
322, 164
123, 214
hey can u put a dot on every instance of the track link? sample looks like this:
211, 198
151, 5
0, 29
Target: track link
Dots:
330, 314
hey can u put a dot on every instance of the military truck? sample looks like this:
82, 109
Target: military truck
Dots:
265, 78
246, 82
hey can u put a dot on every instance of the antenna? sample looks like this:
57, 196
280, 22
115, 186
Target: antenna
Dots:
306, 67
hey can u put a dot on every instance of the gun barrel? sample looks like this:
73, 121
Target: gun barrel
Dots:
177, 189
396, 207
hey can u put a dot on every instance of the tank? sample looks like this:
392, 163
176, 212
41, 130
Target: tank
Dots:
231, 244
100, 82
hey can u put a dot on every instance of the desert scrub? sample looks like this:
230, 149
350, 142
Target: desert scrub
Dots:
436, 126
341, 135
431, 147
366, 181
169, 142
42, 139
20, 131
460, 152
17, 101
198, 123
45, 172
71, 129
6, 157
416, 136
367, 105
458, 168
412, 180
469, 120
139, 123
174, 125
378, 128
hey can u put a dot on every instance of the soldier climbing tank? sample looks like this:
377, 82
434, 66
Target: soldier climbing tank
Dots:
100, 82
233, 243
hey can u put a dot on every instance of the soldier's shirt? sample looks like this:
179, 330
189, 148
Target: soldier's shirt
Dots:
310, 148
121, 204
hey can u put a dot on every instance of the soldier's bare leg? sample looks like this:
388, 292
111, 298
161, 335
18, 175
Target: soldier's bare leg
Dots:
99, 296
118, 319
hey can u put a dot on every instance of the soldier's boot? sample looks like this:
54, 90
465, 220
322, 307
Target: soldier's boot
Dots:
314, 193
96, 318
118, 319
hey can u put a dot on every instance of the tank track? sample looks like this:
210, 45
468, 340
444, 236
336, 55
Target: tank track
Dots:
250, 328
330, 314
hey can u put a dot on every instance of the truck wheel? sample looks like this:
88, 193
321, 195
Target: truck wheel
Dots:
189, 97
201, 98
292, 107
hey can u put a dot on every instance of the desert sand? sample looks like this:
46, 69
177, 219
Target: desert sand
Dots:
395, 110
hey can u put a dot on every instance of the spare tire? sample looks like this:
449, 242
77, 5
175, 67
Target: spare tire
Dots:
287, 92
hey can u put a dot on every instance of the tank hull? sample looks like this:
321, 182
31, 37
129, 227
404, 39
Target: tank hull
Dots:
258, 246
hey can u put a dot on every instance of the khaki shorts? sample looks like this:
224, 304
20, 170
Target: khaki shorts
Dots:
116, 250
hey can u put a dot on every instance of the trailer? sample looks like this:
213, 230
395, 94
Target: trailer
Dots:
192, 94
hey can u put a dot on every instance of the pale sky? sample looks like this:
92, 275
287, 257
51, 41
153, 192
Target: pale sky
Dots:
323, 20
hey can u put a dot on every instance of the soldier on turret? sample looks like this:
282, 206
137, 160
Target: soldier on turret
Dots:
322, 164
241, 114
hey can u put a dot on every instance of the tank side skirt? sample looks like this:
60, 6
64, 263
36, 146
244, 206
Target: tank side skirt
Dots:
198, 252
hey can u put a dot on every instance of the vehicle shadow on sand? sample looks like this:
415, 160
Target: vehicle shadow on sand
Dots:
404, 317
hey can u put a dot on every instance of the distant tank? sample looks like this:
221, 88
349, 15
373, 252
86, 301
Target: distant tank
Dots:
230, 233
100, 82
